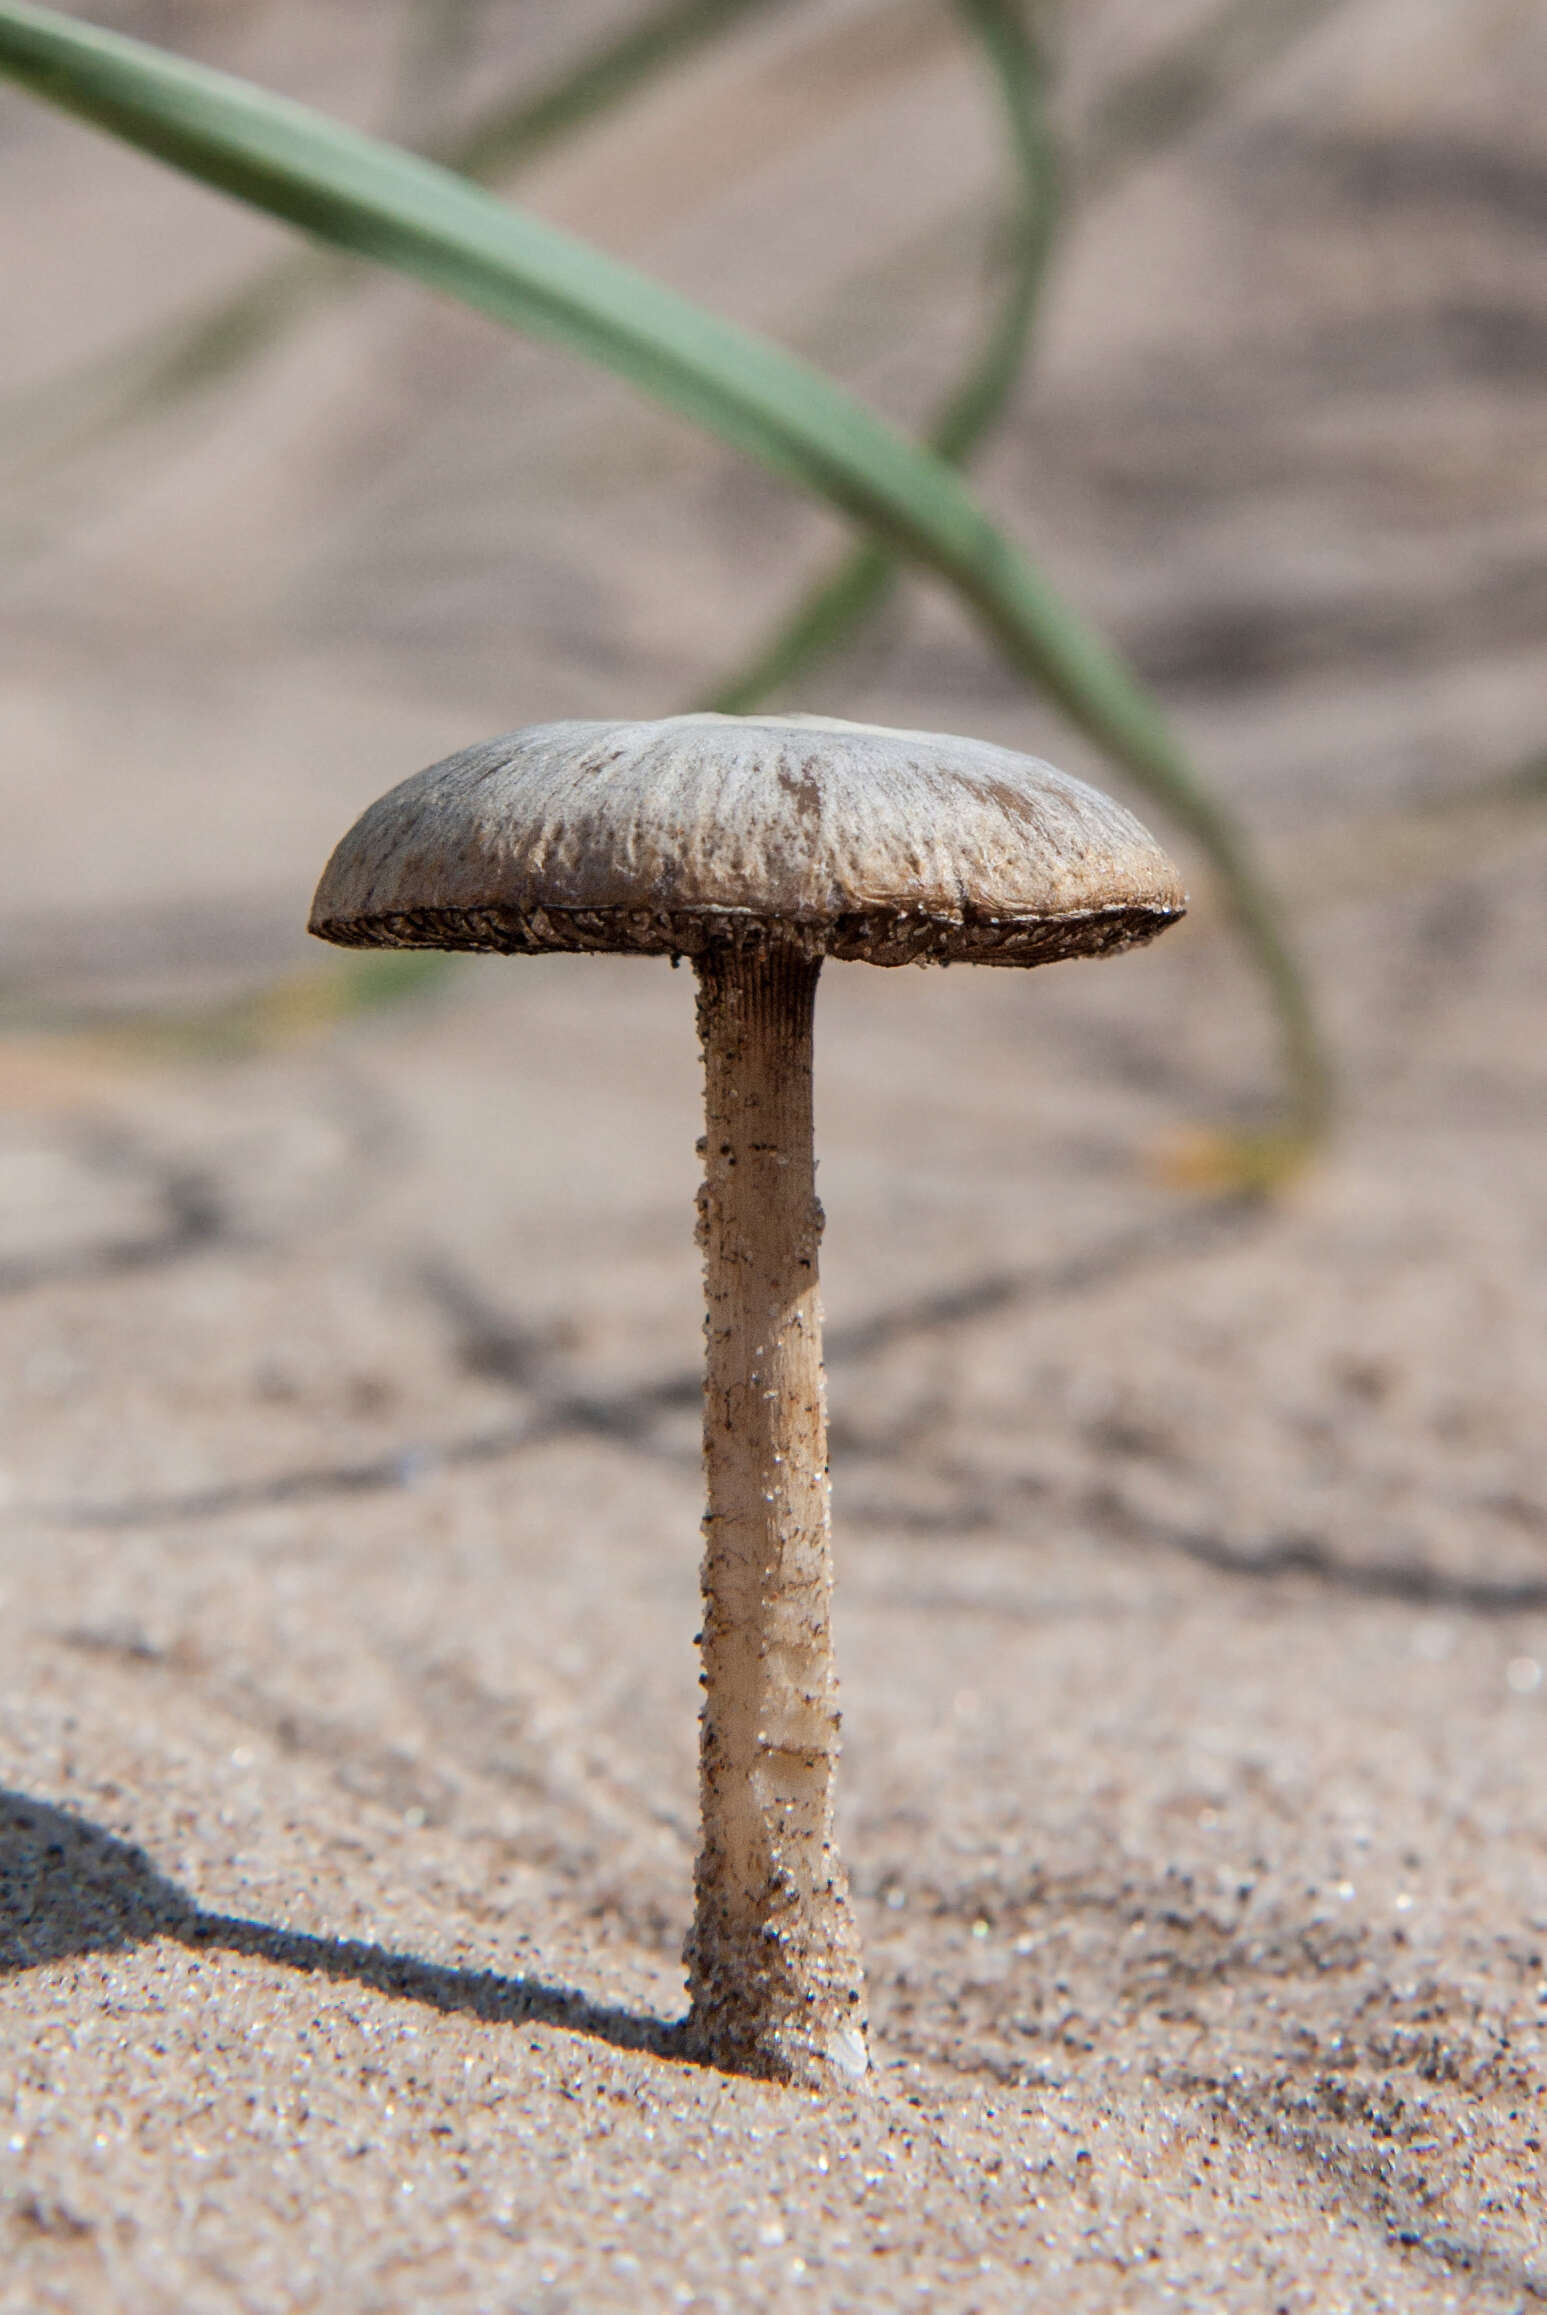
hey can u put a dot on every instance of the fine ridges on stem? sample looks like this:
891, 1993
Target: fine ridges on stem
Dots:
774, 1971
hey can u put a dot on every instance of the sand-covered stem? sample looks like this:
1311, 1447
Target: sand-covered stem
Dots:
773, 1956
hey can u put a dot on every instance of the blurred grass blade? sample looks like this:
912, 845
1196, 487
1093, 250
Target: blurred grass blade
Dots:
514, 129
829, 613
1020, 74
378, 202
1162, 101
194, 351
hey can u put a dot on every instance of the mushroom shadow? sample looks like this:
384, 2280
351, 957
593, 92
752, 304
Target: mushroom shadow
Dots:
68, 1888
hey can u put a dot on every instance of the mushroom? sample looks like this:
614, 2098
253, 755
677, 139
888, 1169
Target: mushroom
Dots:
757, 846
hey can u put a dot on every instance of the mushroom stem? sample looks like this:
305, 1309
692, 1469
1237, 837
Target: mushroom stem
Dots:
773, 1957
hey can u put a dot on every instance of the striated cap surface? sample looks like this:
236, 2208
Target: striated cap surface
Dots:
845, 839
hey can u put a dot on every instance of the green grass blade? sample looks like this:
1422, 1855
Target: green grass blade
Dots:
359, 195
1163, 101
368, 198
195, 351
830, 613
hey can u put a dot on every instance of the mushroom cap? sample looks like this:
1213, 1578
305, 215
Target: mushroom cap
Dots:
843, 839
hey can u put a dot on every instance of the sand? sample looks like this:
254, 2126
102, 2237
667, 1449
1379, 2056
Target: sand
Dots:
1192, 1616
1192, 1552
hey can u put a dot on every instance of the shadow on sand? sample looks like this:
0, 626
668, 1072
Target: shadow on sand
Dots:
68, 1888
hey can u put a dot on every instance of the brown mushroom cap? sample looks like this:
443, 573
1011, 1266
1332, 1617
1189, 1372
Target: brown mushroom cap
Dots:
845, 839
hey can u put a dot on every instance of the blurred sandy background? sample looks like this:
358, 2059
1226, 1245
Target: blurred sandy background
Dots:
1193, 1556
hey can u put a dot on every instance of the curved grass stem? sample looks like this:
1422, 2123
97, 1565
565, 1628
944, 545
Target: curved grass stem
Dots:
830, 613
192, 352
1147, 111
357, 194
